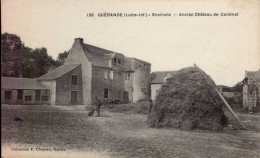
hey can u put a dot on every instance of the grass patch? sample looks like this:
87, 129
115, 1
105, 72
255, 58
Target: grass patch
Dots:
139, 107
119, 134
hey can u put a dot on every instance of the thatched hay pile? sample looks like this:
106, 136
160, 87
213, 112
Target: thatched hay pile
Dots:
188, 101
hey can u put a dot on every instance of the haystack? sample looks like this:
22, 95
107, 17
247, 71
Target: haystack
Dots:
188, 101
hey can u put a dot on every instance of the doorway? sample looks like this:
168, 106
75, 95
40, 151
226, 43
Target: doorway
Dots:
74, 97
125, 97
106, 93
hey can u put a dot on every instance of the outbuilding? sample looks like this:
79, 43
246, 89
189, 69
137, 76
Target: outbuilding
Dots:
23, 91
158, 78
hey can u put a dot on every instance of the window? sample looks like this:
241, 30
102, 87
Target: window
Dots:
74, 80
106, 93
117, 61
144, 90
111, 75
44, 98
167, 76
105, 74
108, 74
8, 95
28, 98
142, 65
19, 94
127, 76
37, 95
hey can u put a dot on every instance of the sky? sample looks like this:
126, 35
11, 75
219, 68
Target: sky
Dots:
223, 46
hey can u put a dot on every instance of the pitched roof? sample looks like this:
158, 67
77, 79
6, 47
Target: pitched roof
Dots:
97, 56
158, 77
21, 83
100, 57
59, 71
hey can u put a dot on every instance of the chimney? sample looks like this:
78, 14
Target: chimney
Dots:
78, 41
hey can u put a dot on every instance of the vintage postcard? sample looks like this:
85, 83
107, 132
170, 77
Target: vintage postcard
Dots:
116, 79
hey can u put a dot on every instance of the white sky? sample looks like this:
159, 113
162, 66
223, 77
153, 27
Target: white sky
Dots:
224, 47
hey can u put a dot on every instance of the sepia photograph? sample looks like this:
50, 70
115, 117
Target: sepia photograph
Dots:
130, 79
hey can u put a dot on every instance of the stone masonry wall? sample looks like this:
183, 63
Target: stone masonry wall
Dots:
51, 85
154, 90
77, 56
115, 86
64, 88
141, 80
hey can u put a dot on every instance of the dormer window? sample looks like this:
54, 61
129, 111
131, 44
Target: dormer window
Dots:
142, 65
117, 61
167, 76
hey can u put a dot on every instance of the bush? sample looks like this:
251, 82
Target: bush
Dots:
142, 107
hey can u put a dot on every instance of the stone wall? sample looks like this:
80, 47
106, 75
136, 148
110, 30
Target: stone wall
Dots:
251, 85
44, 93
154, 90
13, 98
51, 85
77, 56
128, 86
115, 86
64, 87
26, 93
141, 80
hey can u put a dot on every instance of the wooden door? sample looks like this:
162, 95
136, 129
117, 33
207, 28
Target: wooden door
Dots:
125, 97
74, 97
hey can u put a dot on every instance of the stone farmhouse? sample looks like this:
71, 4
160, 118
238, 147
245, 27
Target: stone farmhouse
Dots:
157, 80
23, 91
90, 72
251, 90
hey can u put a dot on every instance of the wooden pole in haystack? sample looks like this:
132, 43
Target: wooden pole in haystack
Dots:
222, 98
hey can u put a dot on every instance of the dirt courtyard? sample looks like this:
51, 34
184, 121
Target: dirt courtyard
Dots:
115, 135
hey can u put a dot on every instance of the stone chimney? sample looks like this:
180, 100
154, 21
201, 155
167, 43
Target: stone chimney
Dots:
78, 41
